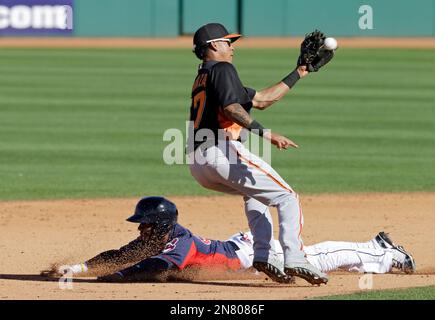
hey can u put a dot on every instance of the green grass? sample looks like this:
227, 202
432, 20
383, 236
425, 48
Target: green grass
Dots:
423, 293
89, 122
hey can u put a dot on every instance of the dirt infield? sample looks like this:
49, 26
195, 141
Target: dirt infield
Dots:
36, 234
186, 42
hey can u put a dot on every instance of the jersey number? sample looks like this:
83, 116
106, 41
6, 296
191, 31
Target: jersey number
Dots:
198, 106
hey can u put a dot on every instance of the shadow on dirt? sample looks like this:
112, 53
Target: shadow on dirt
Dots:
40, 278
37, 277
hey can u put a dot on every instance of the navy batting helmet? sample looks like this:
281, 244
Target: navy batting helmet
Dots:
158, 211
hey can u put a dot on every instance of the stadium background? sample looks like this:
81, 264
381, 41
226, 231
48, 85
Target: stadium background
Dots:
82, 119
171, 18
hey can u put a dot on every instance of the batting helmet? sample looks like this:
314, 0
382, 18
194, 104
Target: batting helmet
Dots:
158, 211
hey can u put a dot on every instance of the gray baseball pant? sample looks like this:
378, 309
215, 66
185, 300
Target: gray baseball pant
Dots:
231, 168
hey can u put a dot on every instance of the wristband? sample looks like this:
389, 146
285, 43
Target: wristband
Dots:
79, 268
292, 78
256, 126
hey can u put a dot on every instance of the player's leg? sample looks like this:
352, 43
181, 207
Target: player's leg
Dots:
267, 187
231, 168
259, 220
261, 182
219, 168
265, 258
205, 169
351, 256
330, 255
212, 170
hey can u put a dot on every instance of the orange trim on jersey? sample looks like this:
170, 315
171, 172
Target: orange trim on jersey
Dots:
300, 221
217, 260
231, 128
265, 172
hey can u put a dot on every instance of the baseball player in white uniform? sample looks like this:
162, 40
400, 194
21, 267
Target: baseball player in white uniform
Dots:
220, 108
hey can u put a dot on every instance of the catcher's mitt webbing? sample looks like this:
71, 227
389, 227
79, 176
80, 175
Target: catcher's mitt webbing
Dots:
310, 47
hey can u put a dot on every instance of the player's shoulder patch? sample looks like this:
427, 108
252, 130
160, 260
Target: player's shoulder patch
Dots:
204, 240
171, 245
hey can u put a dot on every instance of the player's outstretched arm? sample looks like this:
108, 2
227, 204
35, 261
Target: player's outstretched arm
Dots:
266, 97
315, 53
149, 269
237, 114
108, 261
129, 254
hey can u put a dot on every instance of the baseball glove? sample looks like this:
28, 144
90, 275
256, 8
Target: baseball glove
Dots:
312, 54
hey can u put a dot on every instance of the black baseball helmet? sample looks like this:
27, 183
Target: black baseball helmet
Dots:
158, 211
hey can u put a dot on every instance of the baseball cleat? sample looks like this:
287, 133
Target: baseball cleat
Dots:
384, 240
403, 260
306, 271
273, 272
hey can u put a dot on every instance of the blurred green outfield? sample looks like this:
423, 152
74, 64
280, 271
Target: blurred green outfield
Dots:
85, 123
421, 293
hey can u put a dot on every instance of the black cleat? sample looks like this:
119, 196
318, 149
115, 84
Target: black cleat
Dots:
402, 260
273, 272
307, 272
384, 240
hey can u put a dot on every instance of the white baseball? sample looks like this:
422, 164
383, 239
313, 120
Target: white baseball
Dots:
330, 44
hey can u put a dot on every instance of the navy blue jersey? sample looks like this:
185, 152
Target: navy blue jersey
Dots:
183, 250
186, 250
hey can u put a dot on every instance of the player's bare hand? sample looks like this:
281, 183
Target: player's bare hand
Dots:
55, 271
279, 141
302, 70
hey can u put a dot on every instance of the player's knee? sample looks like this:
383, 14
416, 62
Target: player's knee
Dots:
287, 198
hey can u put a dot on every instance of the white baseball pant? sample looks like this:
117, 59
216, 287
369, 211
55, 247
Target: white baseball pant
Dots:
327, 256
